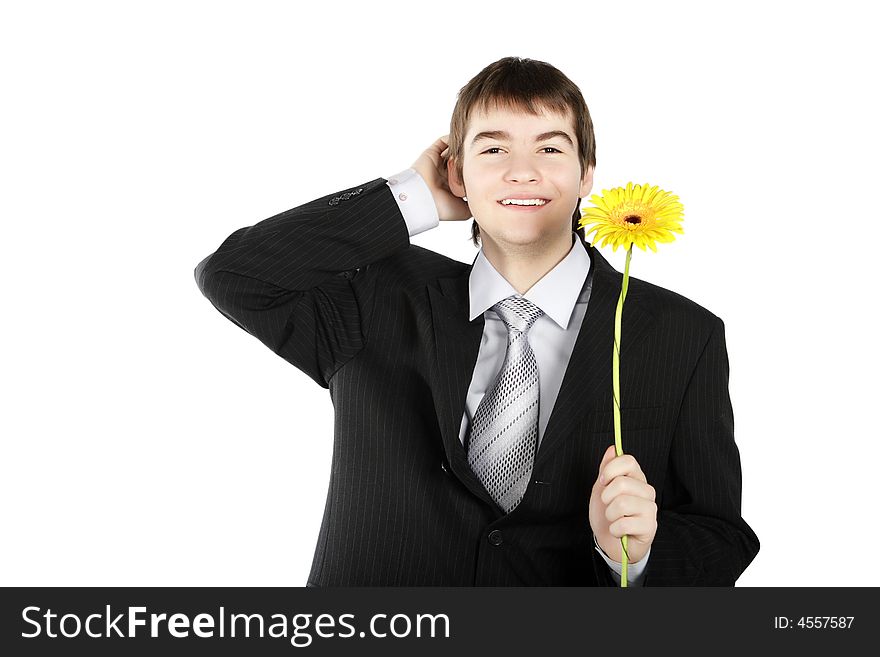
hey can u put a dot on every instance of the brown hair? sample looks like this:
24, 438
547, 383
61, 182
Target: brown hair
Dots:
525, 85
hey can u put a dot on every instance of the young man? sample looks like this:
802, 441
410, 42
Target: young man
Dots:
473, 412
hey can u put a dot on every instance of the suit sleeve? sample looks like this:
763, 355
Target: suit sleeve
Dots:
303, 282
701, 538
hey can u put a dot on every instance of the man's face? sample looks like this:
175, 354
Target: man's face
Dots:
529, 163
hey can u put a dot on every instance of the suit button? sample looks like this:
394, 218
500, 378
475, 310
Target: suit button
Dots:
495, 537
444, 467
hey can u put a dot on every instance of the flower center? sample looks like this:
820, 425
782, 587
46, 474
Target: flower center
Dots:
633, 219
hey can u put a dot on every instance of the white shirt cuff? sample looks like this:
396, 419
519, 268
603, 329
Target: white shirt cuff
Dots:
634, 571
414, 200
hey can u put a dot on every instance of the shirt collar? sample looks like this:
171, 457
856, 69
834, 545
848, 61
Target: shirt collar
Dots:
555, 293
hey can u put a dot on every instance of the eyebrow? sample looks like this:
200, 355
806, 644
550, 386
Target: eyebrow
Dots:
501, 134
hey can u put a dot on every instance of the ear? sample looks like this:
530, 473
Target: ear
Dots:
586, 182
456, 186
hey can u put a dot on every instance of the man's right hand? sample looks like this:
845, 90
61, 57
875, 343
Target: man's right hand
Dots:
431, 166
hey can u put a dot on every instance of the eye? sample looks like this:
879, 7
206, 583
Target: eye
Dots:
496, 148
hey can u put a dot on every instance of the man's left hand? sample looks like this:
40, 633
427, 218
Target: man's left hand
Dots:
623, 503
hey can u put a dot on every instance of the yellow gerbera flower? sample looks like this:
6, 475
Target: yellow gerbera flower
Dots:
637, 214
640, 215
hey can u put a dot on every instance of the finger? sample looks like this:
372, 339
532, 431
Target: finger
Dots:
636, 527
623, 465
438, 146
628, 486
630, 506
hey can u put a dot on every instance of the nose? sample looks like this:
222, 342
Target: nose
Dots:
522, 169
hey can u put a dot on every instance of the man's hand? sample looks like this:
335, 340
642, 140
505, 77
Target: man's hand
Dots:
431, 166
622, 502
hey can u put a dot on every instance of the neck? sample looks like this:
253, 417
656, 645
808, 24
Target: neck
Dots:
523, 265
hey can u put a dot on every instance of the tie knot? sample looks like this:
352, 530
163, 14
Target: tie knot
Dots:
517, 313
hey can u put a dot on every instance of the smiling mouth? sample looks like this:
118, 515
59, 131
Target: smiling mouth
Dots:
525, 205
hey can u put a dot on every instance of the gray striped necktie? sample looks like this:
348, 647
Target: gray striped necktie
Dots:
504, 430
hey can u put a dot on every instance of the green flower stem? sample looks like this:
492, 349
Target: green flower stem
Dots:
615, 371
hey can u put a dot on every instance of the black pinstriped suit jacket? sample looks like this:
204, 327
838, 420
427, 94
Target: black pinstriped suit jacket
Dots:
336, 289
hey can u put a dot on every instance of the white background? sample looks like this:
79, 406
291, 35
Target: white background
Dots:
147, 440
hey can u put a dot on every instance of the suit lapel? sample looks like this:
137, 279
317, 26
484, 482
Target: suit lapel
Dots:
587, 377
458, 345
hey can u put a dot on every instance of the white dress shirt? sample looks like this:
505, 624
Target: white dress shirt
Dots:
563, 294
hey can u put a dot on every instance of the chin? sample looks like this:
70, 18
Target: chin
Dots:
524, 233
525, 236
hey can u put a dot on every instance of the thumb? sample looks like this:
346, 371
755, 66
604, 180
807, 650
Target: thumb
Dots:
609, 454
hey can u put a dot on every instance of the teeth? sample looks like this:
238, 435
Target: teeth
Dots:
523, 201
